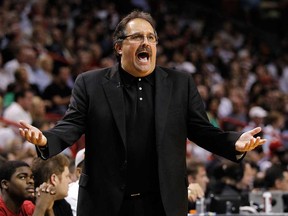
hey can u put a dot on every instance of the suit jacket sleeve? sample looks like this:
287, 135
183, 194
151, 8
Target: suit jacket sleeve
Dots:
73, 121
205, 134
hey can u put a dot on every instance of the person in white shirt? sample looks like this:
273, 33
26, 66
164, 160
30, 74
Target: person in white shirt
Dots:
72, 197
20, 108
25, 56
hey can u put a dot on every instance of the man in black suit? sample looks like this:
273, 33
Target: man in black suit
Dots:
136, 117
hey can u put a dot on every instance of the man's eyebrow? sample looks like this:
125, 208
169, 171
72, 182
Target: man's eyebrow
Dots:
22, 173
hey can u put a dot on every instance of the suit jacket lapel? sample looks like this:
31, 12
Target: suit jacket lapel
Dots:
162, 101
114, 93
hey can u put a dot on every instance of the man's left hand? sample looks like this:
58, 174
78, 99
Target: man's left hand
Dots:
248, 142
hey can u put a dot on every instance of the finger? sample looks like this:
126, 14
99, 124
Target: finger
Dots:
262, 141
48, 188
27, 135
39, 138
25, 125
36, 190
33, 137
53, 192
192, 198
255, 131
254, 143
21, 131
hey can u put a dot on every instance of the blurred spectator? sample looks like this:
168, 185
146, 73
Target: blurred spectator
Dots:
257, 116
58, 93
38, 111
228, 181
196, 174
13, 147
87, 60
56, 47
212, 111
44, 76
276, 178
180, 63
204, 93
225, 107
18, 192
4, 77
275, 122
283, 80
24, 56
21, 107
54, 171
278, 154
237, 120
21, 82
251, 170
72, 197
7, 140
260, 158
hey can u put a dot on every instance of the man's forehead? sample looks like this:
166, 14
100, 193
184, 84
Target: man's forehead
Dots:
139, 25
23, 170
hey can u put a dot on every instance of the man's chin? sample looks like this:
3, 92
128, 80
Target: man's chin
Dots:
145, 70
30, 197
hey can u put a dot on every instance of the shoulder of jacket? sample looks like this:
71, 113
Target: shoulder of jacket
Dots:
173, 71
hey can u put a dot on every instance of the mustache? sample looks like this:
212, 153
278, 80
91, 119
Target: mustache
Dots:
144, 49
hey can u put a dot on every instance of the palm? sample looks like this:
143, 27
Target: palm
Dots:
248, 142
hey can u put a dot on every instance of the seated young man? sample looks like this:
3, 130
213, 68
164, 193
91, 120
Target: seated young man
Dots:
55, 171
18, 193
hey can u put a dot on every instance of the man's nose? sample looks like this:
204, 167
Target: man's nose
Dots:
145, 39
30, 180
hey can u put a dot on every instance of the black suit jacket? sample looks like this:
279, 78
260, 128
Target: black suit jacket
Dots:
97, 110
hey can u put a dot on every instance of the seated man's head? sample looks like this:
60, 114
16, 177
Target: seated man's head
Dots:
196, 173
55, 171
276, 178
17, 181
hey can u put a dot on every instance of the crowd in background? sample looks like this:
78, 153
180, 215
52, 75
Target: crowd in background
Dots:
237, 52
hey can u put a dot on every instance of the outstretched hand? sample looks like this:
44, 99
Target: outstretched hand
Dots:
32, 134
248, 142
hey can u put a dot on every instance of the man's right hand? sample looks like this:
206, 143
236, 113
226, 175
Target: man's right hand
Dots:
32, 134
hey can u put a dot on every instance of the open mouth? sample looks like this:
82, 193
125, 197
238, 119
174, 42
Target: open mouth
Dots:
143, 56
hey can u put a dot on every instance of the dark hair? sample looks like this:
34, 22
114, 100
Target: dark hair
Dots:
17, 74
8, 168
193, 168
273, 173
22, 93
43, 169
119, 31
230, 170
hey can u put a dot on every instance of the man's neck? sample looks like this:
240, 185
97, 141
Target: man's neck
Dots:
137, 74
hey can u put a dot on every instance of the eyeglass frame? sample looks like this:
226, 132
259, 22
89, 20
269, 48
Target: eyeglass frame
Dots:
142, 35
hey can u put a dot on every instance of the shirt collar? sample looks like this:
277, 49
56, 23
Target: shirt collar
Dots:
128, 79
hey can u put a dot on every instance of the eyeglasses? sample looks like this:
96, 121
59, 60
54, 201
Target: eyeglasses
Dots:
139, 38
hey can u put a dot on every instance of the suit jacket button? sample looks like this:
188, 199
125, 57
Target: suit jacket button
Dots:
123, 187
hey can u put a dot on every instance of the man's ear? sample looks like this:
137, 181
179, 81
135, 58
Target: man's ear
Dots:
118, 48
4, 184
54, 179
190, 179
